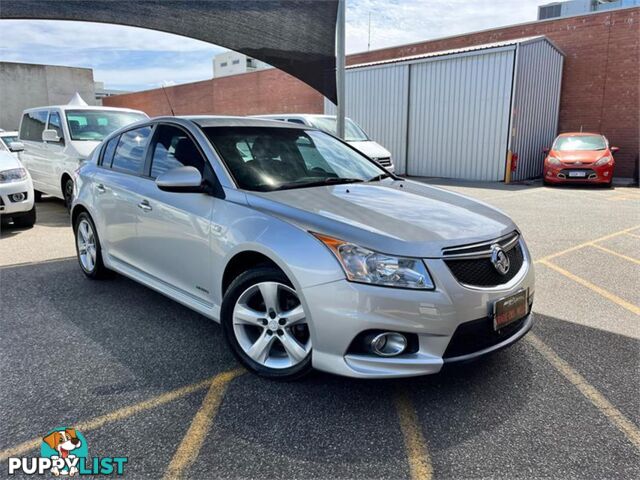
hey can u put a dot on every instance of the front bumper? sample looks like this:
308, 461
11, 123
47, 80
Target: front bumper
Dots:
10, 208
592, 174
342, 310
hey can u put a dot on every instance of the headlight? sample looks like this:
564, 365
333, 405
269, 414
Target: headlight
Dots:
553, 161
13, 175
366, 266
602, 161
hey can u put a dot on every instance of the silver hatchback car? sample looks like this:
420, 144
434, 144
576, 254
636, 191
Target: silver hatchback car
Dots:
309, 254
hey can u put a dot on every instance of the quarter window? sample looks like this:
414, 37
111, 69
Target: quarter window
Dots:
33, 125
129, 155
173, 148
55, 124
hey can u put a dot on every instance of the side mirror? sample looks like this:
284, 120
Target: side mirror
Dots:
614, 149
545, 150
181, 179
16, 146
50, 135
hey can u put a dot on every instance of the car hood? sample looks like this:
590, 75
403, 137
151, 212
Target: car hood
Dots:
583, 156
371, 149
393, 217
85, 148
9, 161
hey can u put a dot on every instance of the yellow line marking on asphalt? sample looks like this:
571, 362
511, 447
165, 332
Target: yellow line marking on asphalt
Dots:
414, 442
617, 254
606, 294
116, 415
615, 416
586, 244
194, 438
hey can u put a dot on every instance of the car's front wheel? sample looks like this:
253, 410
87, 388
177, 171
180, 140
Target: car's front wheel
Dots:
266, 325
88, 247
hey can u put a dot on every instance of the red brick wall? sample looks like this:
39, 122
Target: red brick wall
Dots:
600, 87
266, 91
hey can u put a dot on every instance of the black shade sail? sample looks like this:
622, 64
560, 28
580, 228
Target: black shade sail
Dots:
296, 36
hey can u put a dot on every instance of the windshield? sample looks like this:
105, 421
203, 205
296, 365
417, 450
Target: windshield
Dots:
580, 142
267, 158
7, 139
352, 131
94, 125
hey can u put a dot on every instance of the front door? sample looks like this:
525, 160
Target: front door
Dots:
174, 229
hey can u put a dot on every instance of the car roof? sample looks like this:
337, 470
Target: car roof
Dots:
83, 107
580, 134
230, 121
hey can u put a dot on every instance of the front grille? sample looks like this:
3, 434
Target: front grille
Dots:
385, 162
471, 264
476, 335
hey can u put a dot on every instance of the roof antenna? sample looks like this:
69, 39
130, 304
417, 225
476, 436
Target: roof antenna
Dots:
168, 101
581, 126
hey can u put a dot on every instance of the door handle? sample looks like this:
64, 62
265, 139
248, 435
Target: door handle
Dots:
100, 188
144, 205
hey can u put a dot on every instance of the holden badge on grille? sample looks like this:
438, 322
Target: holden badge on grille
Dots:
499, 259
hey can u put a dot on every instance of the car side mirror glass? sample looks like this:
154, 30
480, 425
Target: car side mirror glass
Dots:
545, 150
50, 135
181, 179
16, 146
614, 149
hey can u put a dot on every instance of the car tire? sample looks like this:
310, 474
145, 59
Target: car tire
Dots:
88, 249
265, 341
67, 193
37, 196
26, 220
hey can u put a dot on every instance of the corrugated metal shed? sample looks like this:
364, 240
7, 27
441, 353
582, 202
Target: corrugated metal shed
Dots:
458, 113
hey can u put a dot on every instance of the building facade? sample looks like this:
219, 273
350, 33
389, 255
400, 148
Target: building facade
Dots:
25, 85
599, 84
579, 7
234, 63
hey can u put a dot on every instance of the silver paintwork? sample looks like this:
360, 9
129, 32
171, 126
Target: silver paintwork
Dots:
183, 244
182, 177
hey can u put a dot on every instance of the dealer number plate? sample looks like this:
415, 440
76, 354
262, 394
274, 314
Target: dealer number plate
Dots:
510, 309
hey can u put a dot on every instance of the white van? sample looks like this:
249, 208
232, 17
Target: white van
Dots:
353, 134
58, 138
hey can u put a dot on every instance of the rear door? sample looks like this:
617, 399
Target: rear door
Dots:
117, 194
174, 228
34, 155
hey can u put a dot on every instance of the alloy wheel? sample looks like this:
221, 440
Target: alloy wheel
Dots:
271, 326
86, 241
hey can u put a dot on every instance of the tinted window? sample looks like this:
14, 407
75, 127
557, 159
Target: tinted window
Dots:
265, 158
33, 125
129, 155
107, 153
174, 149
7, 139
352, 132
94, 125
55, 124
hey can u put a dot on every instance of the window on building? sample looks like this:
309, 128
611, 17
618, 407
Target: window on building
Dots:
235, 62
223, 64
129, 156
33, 125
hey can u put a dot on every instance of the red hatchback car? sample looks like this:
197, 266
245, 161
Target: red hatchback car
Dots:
579, 158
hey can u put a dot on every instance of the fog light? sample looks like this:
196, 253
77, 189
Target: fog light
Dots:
606, 174
388, 344
18, 197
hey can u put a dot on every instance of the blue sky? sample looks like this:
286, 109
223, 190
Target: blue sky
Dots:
137, 59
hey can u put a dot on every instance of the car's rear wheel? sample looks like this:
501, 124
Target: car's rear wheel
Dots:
266, 325
88, 247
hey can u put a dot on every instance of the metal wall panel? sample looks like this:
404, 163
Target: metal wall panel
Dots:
459, 111
536, 105
376, 99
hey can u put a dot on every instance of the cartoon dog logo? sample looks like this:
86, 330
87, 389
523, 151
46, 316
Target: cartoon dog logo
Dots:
64, 442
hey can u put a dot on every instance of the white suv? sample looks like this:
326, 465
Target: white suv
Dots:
57, 138
16, 192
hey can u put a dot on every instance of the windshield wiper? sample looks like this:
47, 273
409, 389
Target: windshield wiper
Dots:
317, 183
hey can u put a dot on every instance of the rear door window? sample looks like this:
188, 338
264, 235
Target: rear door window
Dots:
33, 125
109, 150
130, 153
